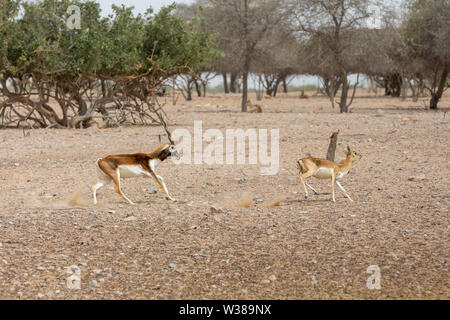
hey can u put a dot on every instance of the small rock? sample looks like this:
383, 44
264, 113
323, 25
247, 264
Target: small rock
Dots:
173, 265
272, 278
93, 283
39, 296
421, 177
153, 190
130, 218
215, 210
394, 220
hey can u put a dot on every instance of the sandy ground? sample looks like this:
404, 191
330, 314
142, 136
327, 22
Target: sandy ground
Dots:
156, 249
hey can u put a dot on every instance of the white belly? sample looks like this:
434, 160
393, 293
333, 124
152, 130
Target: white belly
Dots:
323, 173
131, 171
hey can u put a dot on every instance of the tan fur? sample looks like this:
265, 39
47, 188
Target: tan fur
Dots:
277, 202
246, 200
326, 169
109, 169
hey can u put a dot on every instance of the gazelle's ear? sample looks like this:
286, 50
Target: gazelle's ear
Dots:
348, 149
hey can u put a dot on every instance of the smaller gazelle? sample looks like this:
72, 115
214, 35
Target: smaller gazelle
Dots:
326, 169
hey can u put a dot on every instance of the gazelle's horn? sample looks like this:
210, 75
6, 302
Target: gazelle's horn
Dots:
166, 127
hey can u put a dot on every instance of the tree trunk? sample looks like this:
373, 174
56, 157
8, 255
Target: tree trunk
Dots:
233, 77
246, 59
189, 90
197, 88
344, 95
245, 84
225, 83
436, 96
285, 88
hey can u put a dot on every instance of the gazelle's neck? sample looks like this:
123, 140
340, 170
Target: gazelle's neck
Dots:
346, 165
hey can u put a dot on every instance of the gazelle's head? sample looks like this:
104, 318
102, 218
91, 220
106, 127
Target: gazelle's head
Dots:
174, 152
167, 150
352, 154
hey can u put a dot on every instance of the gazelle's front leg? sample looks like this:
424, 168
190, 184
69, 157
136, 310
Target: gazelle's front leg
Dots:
314, 190
333, 182
343, 190
116, 179
165, 188
160, 182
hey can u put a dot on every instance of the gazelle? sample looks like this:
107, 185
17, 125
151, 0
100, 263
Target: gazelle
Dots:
114, 167
326, 169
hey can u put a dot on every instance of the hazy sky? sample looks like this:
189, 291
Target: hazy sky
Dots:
139, 5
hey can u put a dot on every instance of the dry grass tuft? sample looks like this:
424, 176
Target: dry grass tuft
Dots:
77, 200
246, 200
277, 202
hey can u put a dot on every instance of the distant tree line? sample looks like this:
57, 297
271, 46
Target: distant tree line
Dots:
331, 39
110, 70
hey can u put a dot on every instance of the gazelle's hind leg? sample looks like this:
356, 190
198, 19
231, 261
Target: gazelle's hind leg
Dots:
103, 180
305, 172
303, 176
116, 179
343, 190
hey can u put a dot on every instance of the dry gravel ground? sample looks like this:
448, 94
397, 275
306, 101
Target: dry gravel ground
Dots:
157, 249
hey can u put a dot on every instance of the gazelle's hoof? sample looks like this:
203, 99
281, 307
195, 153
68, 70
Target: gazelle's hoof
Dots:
306, 197
171, 199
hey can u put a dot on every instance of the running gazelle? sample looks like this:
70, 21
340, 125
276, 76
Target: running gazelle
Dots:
326, 169
114, 167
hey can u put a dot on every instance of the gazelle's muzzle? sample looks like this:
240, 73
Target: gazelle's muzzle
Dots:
175, 155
